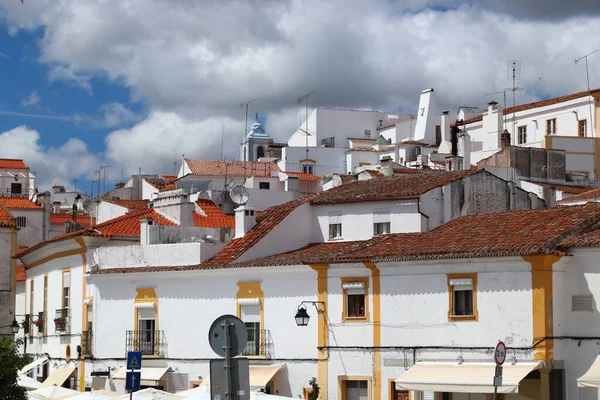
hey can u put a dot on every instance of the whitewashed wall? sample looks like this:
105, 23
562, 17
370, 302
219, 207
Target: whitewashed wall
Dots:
355, 158
107, 211
32, 233
329, 160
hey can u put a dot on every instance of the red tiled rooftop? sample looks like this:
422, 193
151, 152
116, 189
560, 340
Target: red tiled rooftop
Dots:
304, 176
231, 168
66, 216
214, 218
129, 204
11, 163
19, 203
587, 195
389, 188
363, 140
404, 170
6, 218
21, 273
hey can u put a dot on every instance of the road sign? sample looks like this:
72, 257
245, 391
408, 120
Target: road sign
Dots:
133, 380
239, 383
500, 353
134, 360
498, 370
238, 335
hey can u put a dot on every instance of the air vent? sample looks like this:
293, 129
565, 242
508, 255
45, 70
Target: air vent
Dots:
582, 303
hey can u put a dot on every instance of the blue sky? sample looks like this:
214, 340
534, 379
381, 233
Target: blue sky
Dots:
137, 84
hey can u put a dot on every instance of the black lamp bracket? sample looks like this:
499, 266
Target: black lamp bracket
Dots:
314, 303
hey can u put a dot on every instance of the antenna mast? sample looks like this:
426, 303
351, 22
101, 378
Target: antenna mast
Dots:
587, 74
514, 72
300, 99
222, 135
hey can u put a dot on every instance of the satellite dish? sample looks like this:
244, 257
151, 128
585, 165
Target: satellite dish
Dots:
231, 184
86, 204
239, 195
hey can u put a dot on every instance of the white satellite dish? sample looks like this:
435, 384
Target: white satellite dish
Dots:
231, 184
239, 195
86, 204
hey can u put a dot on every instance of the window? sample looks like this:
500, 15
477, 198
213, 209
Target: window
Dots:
146, 333
582, 127
335, 225
381, 222
66, 289
380, 123
16, 188
307, 168
354, 389
329, 142
462, 290
582, 303
551, 126
522, 130
367, 134
355, 299
21, 222
250, 314
264, 185
260, 152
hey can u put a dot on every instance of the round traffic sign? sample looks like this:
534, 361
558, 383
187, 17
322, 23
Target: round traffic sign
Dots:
238, 335
500, 353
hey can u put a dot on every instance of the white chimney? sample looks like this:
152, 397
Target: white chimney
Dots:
425, 126
244, 220
176, 206
56, 207
493, 120
145, 234
445, 145
464, 149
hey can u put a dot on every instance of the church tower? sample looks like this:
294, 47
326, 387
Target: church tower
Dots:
255, 143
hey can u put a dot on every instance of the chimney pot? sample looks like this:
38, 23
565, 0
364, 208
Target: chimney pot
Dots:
244, 220
504, 139
445, 112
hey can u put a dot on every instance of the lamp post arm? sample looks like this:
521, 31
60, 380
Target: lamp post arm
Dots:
314, 303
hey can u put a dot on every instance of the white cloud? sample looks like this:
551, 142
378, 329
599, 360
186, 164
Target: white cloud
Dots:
68, 74
116, 114
32, 100
52, 165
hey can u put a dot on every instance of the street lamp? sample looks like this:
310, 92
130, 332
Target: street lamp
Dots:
302, 316
15, 327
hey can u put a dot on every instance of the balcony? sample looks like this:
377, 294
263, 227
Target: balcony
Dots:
86, 343
150, 343
259, 343
62, 321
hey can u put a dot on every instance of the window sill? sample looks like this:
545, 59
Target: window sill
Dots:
335, 239
152, 356
355, 319
474, 317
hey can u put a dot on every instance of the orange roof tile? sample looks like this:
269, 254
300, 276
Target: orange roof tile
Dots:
167, 187
231, 168
6, 218
19, 203
593, 194
21, 273
11, 163
304, 176
362, 140
390, 187
129, 204
215, 217
66, 216
404, 170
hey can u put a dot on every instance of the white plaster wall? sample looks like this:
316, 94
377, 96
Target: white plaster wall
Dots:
32, 233
108, 211
148, 190
329, 160
299, 138
432, 205
357, 219
261, 199
6, 301
354, 158
580, 163
344, 124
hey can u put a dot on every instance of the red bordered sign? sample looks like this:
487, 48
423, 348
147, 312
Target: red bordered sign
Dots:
500, 353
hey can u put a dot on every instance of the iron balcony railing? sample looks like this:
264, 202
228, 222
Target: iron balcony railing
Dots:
62, 321
86, 343
259, 343
149, 342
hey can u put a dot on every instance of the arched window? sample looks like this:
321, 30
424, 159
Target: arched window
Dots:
260, 152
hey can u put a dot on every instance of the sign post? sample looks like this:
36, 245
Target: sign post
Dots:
499, 358
133, 377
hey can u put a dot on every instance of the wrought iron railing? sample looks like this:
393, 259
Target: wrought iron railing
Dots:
86, 343
62, 321
259, 343
149, 342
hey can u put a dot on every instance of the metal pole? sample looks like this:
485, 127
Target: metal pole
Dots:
495, 392
587, 73
131, 392
227, 362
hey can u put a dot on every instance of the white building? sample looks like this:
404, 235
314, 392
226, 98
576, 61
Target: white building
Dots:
15, 178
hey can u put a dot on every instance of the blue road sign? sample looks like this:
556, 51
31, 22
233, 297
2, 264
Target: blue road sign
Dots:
132, 380
134, 360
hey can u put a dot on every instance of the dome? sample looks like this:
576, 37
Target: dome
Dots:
257, 130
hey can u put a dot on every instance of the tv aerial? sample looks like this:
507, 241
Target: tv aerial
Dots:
239, 195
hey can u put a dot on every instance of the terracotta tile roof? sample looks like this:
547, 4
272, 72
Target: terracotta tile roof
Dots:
21, 273
587, 195
21, 248
6, 218
277, 144
373, 173
415, 143
214, 218
515, 233
403, 170
231, 168
267, 220
563, 188
10, 163
129, 204
66, 216
19, 203
363, 140
535, 104
347, 178
302, 175
390, 187
167, 187
589, 239
362, 148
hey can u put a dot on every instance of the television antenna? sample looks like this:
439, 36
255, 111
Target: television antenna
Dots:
513, 68
587, 74
306, 131
239, 195
503, 92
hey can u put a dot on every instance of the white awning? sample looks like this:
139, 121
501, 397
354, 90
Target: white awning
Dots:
26, 369
592, 377
260, 375
58, 376
150, 375
469, 377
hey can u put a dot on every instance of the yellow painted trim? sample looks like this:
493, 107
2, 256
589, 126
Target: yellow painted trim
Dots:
541, 295
376, 277
251, 290
146, 295
322, 333
451, 316
54, 256
84, 266
365, 281
31, 303
68, 353
45, 293
342, 385
307, 160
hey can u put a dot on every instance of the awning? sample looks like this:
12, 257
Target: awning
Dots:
58, 376
26, 369
468, 377
260, 375
150, 375
592, 377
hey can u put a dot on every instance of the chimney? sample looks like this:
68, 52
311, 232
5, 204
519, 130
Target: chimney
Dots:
464, 143
426, 120
445, 145
56, 207
454, 140
146, 231
45, 200
244, 220
119, 185
504, 139
386, 167
454, 163
176, 206
67, 226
